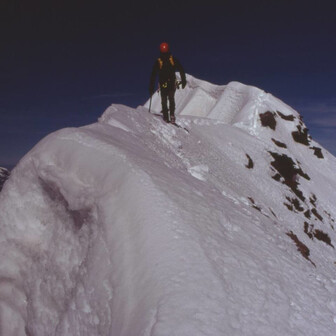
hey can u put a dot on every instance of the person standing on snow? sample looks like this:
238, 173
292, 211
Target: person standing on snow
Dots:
166, 66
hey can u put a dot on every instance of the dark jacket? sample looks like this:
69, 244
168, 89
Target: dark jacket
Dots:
166, 72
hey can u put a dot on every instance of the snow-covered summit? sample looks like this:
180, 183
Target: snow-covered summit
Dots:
131, 226
234, 103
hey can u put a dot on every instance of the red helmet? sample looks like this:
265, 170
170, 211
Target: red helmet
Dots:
164, 47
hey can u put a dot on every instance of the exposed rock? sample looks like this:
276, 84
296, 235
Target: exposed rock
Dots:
296, 203
253, 204
286, 167
317, 152
302, 248
313, 200
268, 119
317, 215
318, 234
279, 143
289, 117
4, 174
250, 164
301, 135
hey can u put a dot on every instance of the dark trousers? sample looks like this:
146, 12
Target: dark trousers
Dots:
168, 94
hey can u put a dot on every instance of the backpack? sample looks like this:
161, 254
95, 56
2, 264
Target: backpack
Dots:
171, 60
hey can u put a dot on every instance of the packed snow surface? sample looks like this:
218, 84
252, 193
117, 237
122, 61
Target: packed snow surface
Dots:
131, 226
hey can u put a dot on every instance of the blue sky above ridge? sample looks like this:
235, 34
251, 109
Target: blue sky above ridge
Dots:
63, 62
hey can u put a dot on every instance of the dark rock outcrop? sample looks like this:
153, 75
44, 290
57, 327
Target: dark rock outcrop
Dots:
4, 174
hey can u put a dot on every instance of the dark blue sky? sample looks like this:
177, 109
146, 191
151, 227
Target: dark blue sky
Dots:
63, 62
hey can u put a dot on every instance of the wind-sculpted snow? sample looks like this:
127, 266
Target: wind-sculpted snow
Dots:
234, 103
131, 226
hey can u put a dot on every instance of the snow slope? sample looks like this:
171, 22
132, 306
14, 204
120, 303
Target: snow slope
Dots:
131, 226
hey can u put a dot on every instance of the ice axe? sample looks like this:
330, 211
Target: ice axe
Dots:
150, 100
150, 103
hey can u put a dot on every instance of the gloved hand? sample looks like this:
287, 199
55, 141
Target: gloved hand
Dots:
184, 83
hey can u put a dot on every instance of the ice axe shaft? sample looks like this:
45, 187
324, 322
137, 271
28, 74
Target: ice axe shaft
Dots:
150, 103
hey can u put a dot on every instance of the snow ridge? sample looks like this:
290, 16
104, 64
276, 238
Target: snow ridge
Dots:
234, 103
131, 226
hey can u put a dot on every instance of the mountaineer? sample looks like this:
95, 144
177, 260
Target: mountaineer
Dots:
166, 66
